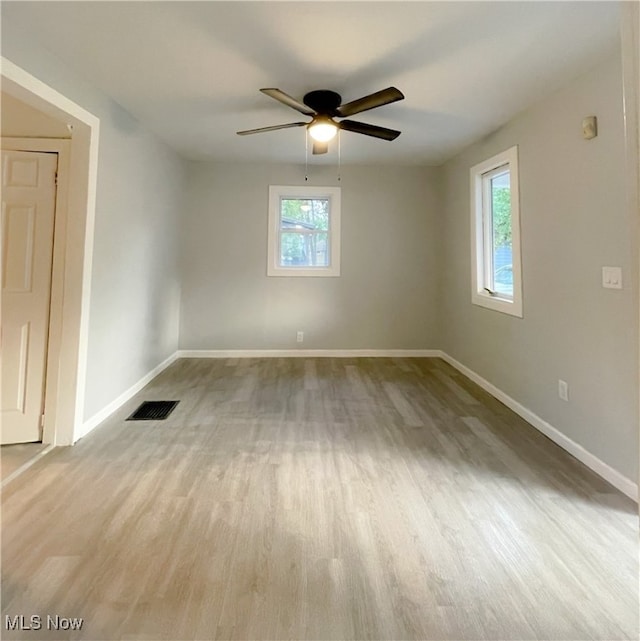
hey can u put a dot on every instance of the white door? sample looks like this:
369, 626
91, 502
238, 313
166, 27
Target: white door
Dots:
28, 208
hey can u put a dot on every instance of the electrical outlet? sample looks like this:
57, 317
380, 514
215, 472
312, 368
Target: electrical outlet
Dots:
563, 390
612, 277
300, 337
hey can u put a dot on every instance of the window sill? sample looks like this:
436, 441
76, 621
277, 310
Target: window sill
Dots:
296, 272
497, 304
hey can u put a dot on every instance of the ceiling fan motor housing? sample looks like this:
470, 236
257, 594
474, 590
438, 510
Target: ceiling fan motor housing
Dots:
323, 101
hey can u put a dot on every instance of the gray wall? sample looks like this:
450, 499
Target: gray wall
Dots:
385, 297
574, 220
135, 290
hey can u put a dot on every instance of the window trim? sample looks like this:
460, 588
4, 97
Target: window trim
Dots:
306, 192
479, 295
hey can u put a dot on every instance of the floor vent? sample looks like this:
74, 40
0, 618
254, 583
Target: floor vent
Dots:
153, 411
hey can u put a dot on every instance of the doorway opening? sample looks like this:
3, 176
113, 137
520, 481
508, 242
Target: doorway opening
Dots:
72, 247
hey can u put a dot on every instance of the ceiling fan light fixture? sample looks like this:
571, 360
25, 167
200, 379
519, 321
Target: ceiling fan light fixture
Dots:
324, 105
323, 129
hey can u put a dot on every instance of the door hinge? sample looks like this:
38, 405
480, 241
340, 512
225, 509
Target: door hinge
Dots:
56, 178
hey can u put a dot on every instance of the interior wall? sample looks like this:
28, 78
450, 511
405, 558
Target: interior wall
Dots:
135, 284
20, 120
135, 291
574, 220
383, 299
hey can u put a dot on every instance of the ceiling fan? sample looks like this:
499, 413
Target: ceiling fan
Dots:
324, 105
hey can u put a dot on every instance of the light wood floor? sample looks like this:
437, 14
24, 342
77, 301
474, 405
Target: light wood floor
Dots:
13, 457
320, 499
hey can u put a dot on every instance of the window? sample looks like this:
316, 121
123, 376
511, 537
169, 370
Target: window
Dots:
495, 234
304, 231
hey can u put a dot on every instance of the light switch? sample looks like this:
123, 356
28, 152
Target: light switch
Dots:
612, 277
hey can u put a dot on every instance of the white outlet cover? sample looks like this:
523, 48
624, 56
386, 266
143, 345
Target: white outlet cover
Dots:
612, 277
563, 390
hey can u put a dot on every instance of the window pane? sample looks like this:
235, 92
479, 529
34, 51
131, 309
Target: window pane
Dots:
304, 214
304, 249
501, 241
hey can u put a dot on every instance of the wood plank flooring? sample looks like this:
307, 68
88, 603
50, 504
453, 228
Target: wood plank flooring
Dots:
319, 499
13, 457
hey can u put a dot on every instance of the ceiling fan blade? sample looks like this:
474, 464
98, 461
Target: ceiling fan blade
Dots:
289, 101
377, 99
261, 129
369, 130
320, 147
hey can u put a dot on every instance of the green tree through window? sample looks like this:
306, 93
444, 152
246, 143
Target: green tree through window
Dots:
304, 227
501, 197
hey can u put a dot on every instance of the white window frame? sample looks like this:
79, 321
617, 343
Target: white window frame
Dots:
481, 242
276, 193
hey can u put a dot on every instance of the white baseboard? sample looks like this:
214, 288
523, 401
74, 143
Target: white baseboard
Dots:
622, 483
306, 353
105, 412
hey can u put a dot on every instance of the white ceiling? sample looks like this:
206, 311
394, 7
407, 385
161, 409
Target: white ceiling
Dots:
191, 71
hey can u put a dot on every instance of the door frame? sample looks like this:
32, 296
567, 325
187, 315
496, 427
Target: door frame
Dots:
73, 249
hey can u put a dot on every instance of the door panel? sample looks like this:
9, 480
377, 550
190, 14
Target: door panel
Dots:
16, 349
18, 233
28, 208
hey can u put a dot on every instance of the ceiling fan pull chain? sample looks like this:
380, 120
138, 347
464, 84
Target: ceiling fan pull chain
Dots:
339, 157
306, 155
